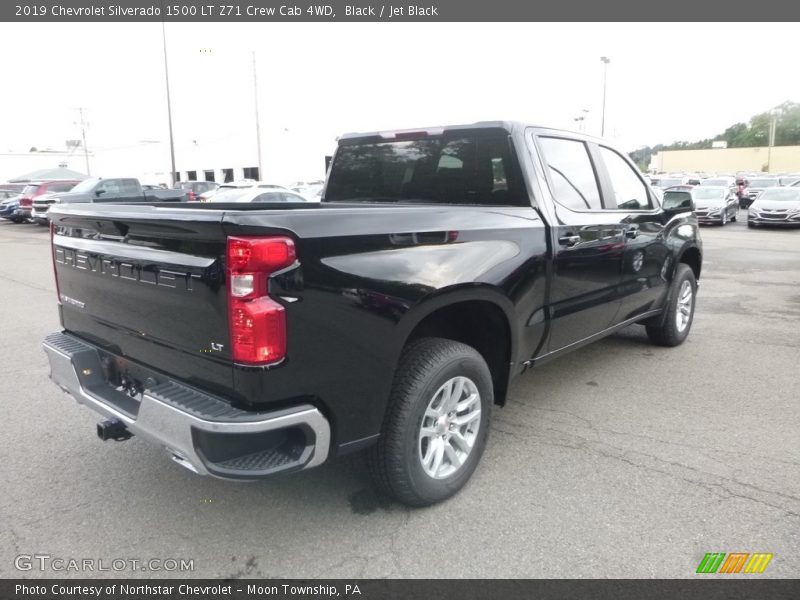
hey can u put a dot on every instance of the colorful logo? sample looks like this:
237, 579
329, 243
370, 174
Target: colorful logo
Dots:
735, 562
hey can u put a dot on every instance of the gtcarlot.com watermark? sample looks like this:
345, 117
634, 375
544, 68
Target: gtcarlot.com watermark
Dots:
58, 564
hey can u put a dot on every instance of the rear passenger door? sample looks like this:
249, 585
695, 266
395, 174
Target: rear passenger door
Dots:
588, 241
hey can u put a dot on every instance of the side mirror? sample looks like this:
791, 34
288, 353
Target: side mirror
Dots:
678, 205
99, 192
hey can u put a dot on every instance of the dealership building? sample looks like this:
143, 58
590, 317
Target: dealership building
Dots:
775, 159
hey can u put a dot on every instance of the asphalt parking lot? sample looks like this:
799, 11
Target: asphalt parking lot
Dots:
621, 460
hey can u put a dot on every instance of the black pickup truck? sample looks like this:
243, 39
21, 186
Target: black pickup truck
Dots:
250, 340
106, 190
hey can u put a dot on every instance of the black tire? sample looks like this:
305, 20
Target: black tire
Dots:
669, 333
751, 225
394, 461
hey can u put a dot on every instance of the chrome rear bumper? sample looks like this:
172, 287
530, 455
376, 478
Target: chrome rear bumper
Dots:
202, 433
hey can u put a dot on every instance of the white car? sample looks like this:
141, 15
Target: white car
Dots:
257, 194
240, 185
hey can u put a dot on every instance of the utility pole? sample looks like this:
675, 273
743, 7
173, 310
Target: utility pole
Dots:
169, 105
605, 60
83, 135
772, 126
258, 125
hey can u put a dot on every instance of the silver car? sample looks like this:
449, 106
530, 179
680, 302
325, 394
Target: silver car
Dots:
775, 206
715, 204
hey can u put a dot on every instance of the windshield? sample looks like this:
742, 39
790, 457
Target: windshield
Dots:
86, 185
781, 194
763, 183
710, 193
459, 168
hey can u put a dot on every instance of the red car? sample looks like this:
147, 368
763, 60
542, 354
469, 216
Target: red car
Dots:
35, 189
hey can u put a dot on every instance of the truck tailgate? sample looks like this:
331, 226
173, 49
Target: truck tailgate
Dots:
148, 285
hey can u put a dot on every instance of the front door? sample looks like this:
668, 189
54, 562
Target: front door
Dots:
588, 244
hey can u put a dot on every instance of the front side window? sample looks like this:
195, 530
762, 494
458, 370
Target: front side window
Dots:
630, 192
109, 187
572, 176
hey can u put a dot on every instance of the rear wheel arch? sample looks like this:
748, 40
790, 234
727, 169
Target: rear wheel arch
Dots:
481, 319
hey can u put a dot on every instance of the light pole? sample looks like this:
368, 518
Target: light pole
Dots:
772, 126
83, 124
169, 106
258, 125
605, 60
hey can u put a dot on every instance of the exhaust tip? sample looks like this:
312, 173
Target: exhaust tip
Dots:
113, 429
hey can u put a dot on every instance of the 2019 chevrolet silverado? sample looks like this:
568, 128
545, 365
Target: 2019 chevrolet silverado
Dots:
248, 340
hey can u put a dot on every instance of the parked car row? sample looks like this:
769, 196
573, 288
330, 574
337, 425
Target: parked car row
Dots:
747, 186
35, 199
717, 204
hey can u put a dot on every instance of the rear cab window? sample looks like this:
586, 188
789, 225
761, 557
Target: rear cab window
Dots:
460, 167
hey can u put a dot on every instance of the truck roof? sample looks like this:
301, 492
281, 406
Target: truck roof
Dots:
509, 126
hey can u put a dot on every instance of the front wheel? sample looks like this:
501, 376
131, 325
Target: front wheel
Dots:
436, 424
679, 311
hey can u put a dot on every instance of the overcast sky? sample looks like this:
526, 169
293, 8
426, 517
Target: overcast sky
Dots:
666, 82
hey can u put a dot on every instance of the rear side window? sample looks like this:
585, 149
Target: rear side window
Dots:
572, 176
630, 193
129, 187
453, 169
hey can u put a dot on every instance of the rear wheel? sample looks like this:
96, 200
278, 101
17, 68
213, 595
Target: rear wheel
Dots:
436, 424
679, 311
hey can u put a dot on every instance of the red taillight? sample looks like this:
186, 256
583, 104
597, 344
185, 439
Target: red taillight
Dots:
53, 256
192, 196
26, 202
257, 322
